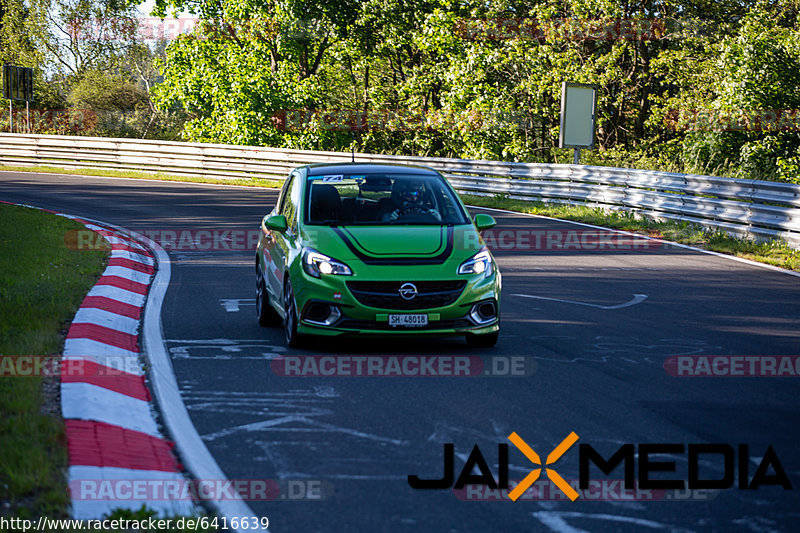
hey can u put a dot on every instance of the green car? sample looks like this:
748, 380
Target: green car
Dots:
367, 249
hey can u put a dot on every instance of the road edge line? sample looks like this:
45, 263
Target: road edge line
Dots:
656, 239
144, 179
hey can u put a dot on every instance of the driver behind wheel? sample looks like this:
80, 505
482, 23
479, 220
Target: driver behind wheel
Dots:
410, 198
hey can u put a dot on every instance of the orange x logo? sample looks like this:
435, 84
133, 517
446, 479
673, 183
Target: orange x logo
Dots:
554, 456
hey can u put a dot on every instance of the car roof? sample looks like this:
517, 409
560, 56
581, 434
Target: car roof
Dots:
319, 169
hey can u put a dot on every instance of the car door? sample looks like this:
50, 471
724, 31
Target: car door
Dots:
279, 245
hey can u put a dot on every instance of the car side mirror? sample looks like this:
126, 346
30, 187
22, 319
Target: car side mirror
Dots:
484, 221
276, 223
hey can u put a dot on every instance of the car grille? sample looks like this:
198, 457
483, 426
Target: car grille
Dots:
386, 294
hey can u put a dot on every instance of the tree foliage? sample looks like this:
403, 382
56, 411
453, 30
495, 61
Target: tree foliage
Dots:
474, 80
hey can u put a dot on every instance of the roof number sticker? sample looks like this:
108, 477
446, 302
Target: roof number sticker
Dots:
331, 179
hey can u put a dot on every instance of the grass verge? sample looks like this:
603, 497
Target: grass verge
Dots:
776, 253
43, 283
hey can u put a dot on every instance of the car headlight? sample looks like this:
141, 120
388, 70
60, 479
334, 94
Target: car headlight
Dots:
480, 263
315, 264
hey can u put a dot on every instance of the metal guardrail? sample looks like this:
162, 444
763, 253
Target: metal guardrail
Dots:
761, 209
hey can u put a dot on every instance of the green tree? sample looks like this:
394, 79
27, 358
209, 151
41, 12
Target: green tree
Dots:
755, 70
245, 63
490, 73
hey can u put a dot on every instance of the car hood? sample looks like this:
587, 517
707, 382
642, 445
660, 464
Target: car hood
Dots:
393, 244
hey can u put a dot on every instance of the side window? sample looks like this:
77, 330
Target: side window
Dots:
449, 209
284, 192
291, 201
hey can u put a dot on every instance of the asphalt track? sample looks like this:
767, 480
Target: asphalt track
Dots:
599, 372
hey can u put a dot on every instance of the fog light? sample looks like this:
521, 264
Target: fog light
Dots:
483, 312
321, 314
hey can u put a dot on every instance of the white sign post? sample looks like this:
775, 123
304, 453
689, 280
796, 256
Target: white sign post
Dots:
578, 111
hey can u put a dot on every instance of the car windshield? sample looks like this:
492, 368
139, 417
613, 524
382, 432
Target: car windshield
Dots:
371, 199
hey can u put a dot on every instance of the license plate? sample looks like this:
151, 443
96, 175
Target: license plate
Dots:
408, 321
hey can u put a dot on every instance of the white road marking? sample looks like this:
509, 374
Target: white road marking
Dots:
303, 402
299, 409
637, 299
315, 426
231, 349
756, 523
231, 305
638, 235
305, 475
555, 521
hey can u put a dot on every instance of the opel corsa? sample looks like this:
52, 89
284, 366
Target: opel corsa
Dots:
353, 249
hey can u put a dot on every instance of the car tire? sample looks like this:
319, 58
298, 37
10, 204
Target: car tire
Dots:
486, 340
267, 316
293, 338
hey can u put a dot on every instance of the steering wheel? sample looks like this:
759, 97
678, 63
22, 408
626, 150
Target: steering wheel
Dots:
418, 213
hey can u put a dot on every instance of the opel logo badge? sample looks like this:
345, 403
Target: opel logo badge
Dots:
408, 291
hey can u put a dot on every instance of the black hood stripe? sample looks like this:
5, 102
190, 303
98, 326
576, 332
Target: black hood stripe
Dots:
399, 259
364, 250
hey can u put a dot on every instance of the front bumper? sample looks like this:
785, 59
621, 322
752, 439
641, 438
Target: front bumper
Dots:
349, 316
